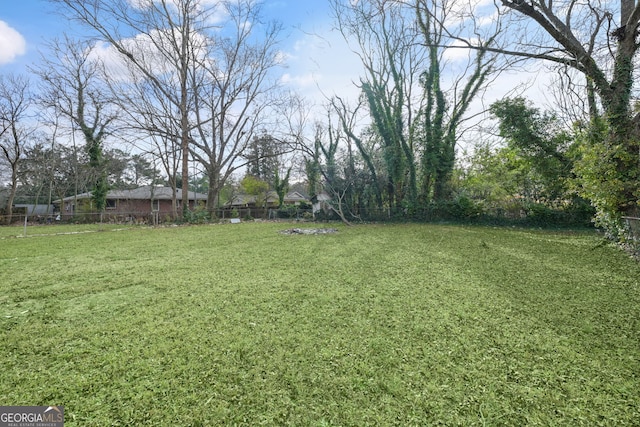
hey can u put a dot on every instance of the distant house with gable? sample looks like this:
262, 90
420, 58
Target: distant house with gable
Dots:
321, 202
249, 201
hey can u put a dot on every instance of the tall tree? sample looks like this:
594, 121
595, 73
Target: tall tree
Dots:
383, 35
262, 157
236, 91
347, 119
148, 112
210, 61
73, 88
157, 39
600, 41
37, 171
15, 130
41, 171
444, 26
416, 114
326, 170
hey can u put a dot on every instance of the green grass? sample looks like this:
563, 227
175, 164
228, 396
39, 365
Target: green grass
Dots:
375, 325
17, 230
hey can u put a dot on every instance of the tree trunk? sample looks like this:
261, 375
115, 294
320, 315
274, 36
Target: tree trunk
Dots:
185, 164
624, 134
213, 191
12, 193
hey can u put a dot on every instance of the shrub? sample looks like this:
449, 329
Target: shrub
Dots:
461, 208
198, 215
287, 211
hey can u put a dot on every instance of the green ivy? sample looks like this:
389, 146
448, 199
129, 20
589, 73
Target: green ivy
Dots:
600, 179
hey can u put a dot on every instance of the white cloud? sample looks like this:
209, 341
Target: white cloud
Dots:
321, 65
112, 61
145, 48
301, 80
12, 44
456, 52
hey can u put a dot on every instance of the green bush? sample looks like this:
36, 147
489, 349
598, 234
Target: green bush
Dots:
325, 216
198, 215
540, 214
287, 211
514, 212
461, 208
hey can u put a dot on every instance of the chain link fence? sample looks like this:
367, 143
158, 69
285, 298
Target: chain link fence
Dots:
468, 212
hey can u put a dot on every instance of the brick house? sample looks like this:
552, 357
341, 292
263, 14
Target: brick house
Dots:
133, 204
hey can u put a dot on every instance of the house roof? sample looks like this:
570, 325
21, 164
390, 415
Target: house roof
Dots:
272, 198
323, 196
141, 193
294, 196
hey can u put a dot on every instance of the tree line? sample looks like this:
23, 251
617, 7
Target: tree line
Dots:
189, 81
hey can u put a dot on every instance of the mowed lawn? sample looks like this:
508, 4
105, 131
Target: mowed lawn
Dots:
379, 325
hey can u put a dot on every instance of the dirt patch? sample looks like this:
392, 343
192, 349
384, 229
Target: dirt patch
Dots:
291, 231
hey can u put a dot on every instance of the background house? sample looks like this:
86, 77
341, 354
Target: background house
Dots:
249, 201
245, 205
321, 203
133, 204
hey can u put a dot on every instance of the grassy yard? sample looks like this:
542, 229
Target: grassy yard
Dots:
407, 325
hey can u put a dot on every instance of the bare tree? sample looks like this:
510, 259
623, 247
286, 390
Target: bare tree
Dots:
73, 88
236, 92
206, 61
154, 124
15, 129
347, 118
159, 39
326, 171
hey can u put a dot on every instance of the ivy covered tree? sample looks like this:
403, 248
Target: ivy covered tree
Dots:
443, 112
598, 42
74, 88
416, 115
281, 185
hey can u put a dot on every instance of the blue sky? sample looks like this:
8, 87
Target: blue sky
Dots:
319, 61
